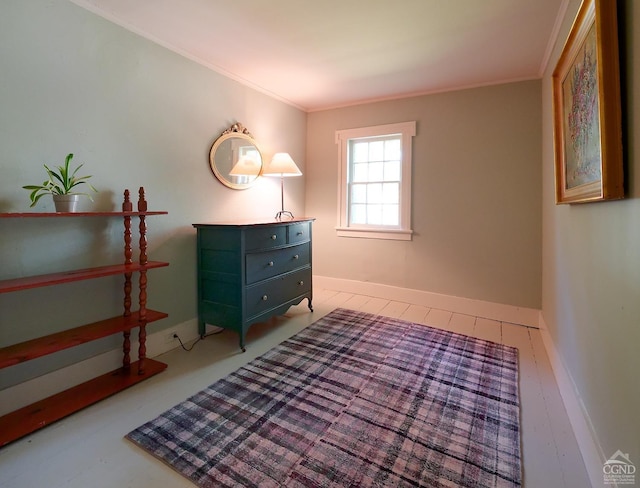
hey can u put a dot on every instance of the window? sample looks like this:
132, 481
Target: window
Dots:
375, 181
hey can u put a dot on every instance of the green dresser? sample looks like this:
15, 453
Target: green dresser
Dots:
249, 272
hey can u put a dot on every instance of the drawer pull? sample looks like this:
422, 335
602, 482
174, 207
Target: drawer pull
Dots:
270, 263
296, 256
300, 233
300, 282
265, 298
274, 237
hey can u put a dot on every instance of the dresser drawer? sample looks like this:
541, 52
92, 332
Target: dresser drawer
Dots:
269, 294
265, 237
298, 232
263, 265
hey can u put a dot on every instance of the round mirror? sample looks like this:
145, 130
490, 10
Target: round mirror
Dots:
235, 158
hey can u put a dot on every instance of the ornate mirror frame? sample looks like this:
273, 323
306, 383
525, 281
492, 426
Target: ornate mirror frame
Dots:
235, 158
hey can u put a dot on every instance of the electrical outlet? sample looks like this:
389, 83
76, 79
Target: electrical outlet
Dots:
169, 337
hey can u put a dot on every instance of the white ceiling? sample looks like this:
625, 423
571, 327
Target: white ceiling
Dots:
317, 54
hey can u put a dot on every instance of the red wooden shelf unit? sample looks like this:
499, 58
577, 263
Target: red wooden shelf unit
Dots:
33, 417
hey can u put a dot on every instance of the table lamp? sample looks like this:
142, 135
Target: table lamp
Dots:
282, 165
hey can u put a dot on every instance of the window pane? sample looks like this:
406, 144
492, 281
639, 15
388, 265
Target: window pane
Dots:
374, 214
360, 151
391, 193
390, 215
358, 214
374, 193
360, 172
392, 171
359, 193
375, 171
376, 151
392, 149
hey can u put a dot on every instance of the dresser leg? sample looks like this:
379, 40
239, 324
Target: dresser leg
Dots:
310, 306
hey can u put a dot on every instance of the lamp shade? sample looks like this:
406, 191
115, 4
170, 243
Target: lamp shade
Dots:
282, 165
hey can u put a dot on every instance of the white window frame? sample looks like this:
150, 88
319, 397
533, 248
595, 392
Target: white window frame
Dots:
403, 231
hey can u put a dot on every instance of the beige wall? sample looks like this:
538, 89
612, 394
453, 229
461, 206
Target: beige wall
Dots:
591, 270
476, 195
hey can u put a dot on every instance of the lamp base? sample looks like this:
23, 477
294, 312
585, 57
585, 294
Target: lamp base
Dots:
284, 215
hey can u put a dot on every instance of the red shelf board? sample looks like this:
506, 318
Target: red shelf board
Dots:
26, 420
28, 282
35, 348
7, 215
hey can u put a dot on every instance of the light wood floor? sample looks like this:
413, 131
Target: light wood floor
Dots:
87, 450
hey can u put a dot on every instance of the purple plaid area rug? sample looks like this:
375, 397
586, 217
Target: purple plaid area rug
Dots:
353, 400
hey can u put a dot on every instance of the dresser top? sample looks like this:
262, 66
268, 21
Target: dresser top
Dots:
254, 223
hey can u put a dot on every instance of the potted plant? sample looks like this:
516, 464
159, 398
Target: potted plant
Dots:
60, 185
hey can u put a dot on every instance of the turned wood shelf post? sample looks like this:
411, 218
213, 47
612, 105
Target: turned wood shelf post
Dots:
128, 253
142, 334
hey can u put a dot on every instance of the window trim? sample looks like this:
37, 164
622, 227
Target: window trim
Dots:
407, 131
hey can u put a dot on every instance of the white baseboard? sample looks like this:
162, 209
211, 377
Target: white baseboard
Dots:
592, 453
49, 384
495, 311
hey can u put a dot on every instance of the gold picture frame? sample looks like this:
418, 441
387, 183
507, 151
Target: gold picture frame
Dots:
586, 108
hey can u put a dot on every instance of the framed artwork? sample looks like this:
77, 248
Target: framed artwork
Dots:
586, 108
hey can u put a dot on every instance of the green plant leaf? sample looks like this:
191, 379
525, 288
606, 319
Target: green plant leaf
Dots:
35, 199
76, 170
61, 190
64, 172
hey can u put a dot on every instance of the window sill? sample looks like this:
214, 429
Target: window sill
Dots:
389, 234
